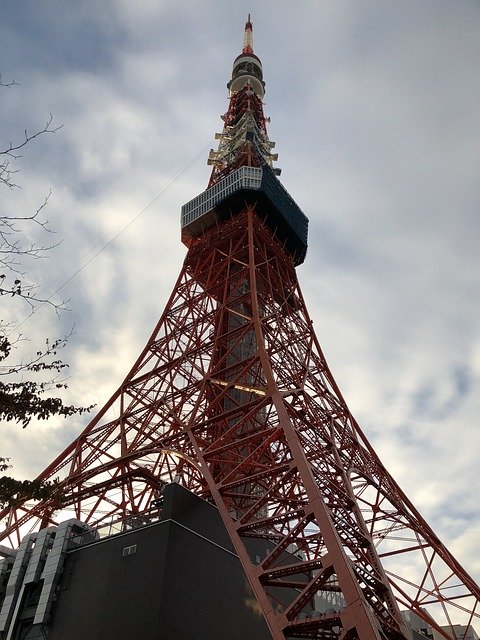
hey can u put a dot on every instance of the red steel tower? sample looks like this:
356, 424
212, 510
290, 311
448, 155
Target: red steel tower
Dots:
232, 397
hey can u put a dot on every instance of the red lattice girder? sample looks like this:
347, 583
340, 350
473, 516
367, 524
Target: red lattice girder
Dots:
233, 398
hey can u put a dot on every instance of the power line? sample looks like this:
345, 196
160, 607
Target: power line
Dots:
149, 203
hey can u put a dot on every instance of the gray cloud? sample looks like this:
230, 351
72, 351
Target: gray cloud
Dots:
375, 114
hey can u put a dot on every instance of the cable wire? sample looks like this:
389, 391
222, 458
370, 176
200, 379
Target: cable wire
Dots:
149, 203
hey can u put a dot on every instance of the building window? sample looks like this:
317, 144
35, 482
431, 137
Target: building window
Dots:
128, 551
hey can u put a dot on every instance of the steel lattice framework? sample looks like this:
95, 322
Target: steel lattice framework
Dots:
232, 397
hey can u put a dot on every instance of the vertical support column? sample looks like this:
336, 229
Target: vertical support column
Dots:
6, 564
54, 566
40, 558
15, 581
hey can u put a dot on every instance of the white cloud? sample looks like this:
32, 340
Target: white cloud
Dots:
375, 115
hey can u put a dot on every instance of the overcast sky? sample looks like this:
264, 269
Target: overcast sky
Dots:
375, 111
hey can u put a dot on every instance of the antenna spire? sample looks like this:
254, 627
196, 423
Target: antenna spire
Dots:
244, 140
248, 37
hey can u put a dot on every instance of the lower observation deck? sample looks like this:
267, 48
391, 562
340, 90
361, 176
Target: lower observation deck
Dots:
255, 186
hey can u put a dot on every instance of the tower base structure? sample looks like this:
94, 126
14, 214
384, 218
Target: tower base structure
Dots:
232, 397
168, 573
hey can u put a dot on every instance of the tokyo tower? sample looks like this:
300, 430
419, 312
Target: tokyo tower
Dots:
233, 399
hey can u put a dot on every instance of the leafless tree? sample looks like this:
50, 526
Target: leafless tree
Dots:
26, 384
14, 250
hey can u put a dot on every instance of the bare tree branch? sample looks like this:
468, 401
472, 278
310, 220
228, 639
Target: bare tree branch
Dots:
29, 386
13, 250
12, 83
13, 147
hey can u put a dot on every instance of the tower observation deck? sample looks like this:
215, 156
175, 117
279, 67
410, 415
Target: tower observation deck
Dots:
232, 398
243, 186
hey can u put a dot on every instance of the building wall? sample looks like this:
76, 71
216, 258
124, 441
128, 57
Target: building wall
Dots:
180, 580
